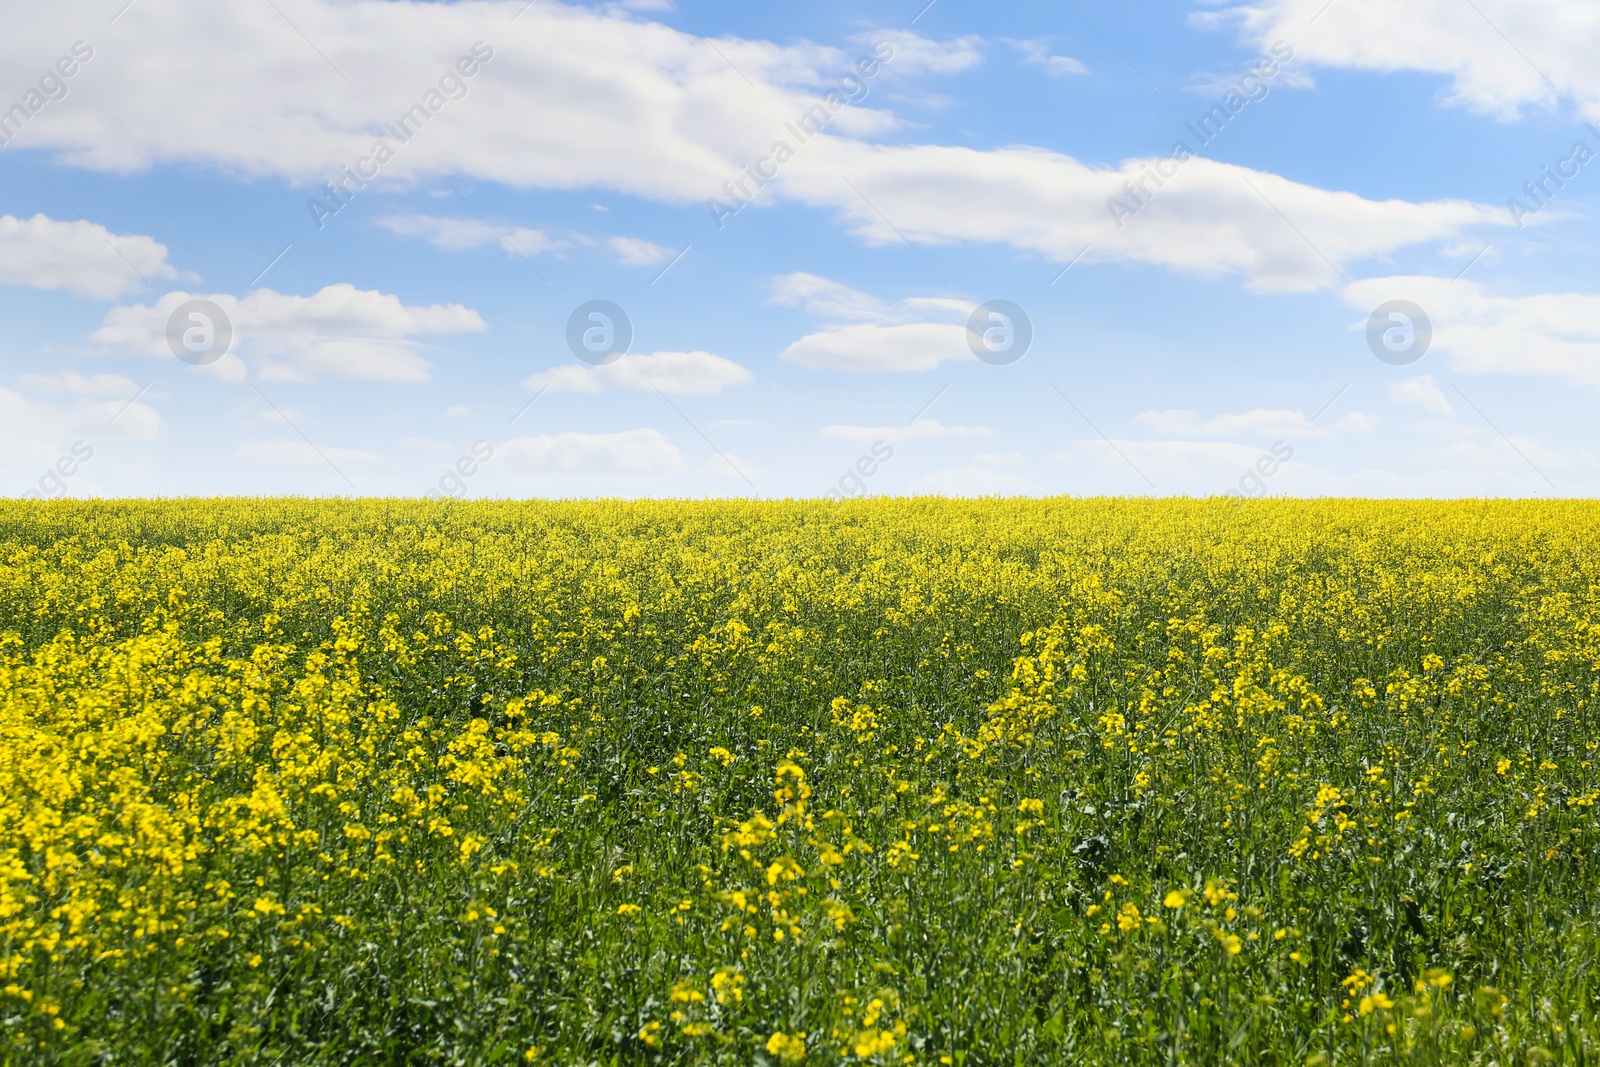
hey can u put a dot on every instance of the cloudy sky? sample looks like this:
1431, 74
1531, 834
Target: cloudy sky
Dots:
694, 248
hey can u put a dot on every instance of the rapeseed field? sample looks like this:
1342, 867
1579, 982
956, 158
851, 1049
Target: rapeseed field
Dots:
879, 782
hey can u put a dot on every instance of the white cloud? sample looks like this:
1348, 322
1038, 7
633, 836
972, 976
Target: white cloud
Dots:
285, 415
1421, 392
457, 235
914, 54
1476, 463
540, 112
1059, 65
1274, 68
1260, 422
1497, 53
456, 411
339, 332
871, 347
922, 429
1554, 335
631, 453
35, 434
1200, 467
1356, 422
637, 252
301, 454
80, 257
673, 126
882, 337
827, 298
70, 381
1037, 52
980, 477
728, 465
681, 373
1207, 218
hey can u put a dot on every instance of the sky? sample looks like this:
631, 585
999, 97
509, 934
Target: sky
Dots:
689, 248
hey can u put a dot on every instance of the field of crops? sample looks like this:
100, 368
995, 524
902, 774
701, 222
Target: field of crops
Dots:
897, 781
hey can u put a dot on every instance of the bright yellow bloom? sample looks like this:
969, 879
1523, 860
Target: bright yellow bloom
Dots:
790, 1048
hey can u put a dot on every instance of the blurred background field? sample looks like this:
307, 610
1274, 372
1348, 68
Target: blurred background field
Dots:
891, 781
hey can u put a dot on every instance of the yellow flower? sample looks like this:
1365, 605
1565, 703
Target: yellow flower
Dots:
1176, 898
727, 984
874, 1042
683, 991
1374, 1002
266, 905
790, 1048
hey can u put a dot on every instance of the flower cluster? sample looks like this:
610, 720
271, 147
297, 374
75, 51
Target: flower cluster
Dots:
888, 782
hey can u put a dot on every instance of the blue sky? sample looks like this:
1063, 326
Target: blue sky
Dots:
1183, 335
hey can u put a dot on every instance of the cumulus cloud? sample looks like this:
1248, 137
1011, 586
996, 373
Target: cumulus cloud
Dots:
457, 235
1202, 467
1552, 56
1356, 422
1208, 219
338, 332
1038, 53
922, 429
1059, 65
906, 336
1554, 335
80, 257
35, 433
668, 127
1423, 393
301, 454
915, 54
681, 122
637, 252
728, 465
825, 297
630, 453
681, 373
986, 474
909, 346
1259, 422
70, 381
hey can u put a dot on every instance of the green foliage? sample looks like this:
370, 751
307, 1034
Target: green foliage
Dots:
1087, 782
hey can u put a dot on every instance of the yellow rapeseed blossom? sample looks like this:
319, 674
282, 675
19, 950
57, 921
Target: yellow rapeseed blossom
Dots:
790, 1048
395, 780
